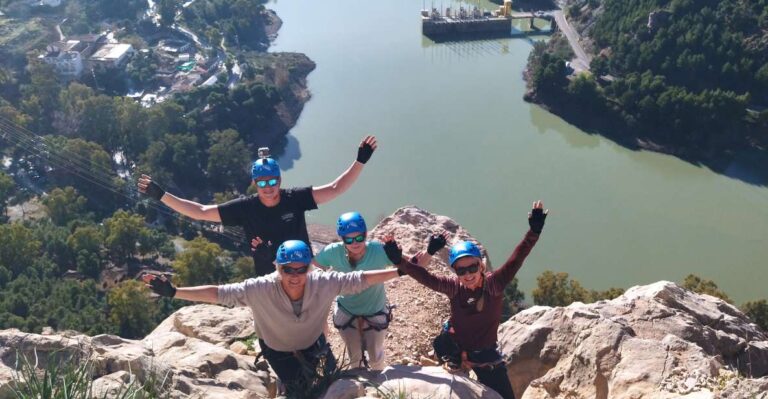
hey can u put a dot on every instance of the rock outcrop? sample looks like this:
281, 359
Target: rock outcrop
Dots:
409, 382
655, 341
186, 356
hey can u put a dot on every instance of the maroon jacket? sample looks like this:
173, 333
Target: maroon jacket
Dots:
475, 330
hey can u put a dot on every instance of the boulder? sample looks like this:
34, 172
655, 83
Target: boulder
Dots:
655, 341
408, 382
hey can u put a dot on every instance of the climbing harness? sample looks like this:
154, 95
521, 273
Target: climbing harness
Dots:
372, 325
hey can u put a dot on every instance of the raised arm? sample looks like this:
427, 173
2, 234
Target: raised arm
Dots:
503, 275
187, 208
379, 276
440, 284
328, 192
163, 287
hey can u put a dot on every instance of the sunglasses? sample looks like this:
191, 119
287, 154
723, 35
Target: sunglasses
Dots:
265, 183
295, 270
468, 269
357, 238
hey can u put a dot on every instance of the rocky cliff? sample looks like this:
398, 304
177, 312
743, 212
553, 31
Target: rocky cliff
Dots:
655, 341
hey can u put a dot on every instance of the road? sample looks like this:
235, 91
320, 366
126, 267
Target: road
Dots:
582, 60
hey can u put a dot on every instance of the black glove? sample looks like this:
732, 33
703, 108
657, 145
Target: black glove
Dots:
154, 191
394, 253
162, 286
264, 251
536, 220
364, 153
436, 243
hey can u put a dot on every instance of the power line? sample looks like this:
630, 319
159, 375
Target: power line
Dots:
83, 168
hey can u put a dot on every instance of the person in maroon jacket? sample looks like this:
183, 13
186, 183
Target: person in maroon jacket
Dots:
468, 339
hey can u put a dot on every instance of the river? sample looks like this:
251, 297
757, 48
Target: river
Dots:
456, 138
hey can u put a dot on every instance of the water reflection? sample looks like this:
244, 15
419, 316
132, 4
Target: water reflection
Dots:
287, 151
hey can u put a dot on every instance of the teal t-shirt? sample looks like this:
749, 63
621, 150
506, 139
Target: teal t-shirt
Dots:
373, 298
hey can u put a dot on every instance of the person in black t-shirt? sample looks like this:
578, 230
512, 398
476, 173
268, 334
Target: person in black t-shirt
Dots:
272, 215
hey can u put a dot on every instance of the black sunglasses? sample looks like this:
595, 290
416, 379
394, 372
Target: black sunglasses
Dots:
295, 270
468, 269
350, 240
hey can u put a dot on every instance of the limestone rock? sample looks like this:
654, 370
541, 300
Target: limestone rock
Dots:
182, 365
211, 323
655, 341
239, 347
411, 382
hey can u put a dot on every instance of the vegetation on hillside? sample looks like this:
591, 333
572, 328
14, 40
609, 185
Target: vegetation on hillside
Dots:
240, 22
694, 81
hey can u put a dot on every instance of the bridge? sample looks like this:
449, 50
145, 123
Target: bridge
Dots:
531, 16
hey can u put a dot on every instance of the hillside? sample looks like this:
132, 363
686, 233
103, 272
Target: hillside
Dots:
687, 77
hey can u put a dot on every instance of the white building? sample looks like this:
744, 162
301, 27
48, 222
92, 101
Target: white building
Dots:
66, 59
112, 55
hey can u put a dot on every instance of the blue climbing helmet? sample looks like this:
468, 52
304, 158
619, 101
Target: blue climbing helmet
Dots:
350, 222
265, 167
293, 251
462, 249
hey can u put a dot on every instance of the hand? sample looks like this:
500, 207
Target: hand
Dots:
150, 188
436, 243
537, 216
421, 258
367, 146
393, 251
262, 250
160, 285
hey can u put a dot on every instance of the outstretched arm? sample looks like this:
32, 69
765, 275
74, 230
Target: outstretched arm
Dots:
440, 284
187, 208
502, 276
160, 285
379, 276
328, 192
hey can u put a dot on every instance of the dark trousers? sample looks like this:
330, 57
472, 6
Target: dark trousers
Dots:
447, 351
298, 370
495, 378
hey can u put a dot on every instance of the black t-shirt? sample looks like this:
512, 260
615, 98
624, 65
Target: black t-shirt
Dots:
277, 224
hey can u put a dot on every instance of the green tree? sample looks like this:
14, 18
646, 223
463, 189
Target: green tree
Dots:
242, 269
758, 312
72, 104
131, 310
513, 300
123, 231
97, 122
199, 264
87, 158
698, 285
40, 96
599, 66
64, 205
53, 240
86, 242
607, 294
556, 289
18, 247
167, 10
6, 191
227, 159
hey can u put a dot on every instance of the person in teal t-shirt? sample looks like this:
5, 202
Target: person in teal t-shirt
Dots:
362, 319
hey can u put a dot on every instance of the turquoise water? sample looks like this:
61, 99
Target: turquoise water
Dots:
456, 138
